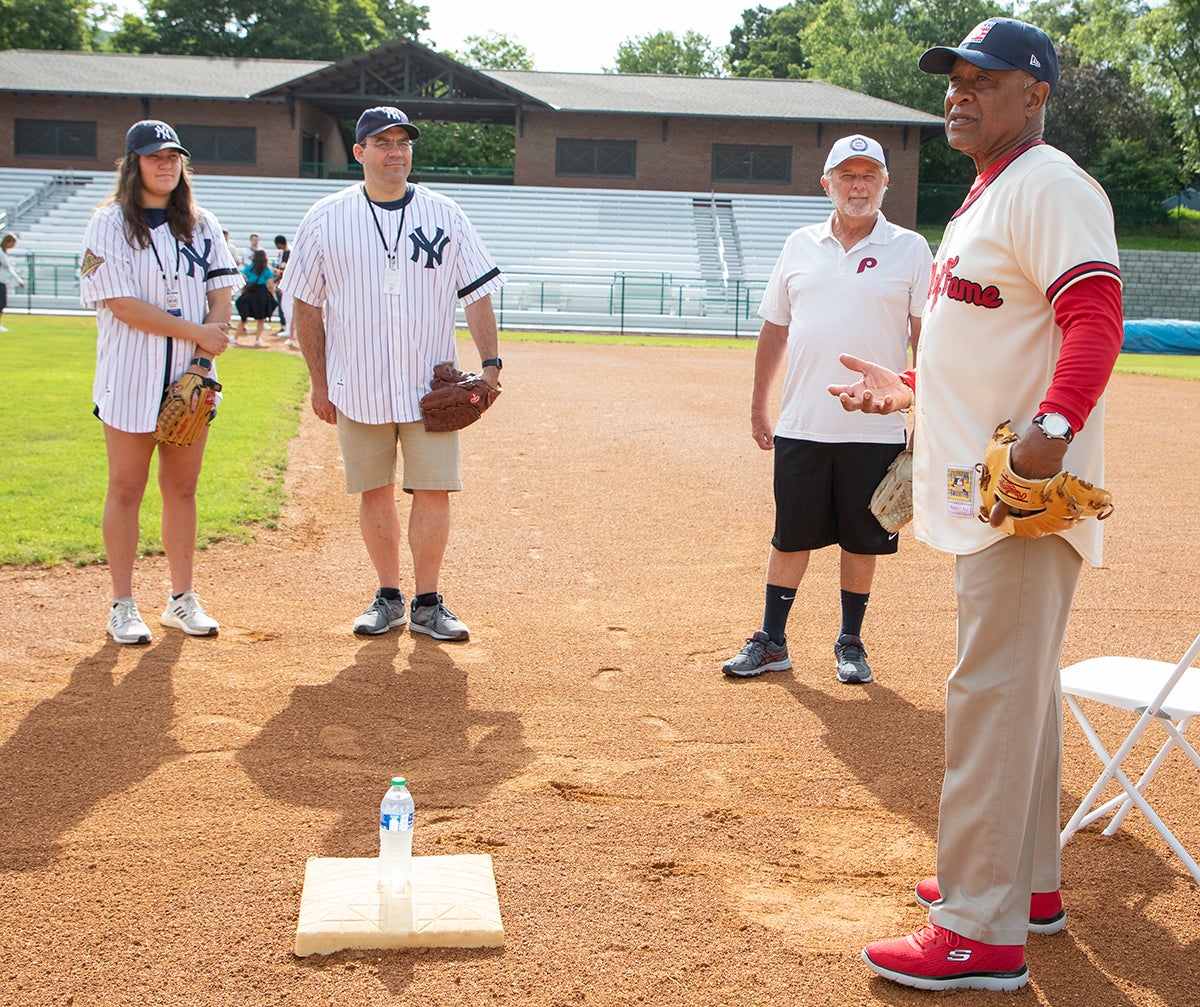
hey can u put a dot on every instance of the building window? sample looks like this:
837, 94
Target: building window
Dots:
55, 138
603, 158
738, 163
220, 144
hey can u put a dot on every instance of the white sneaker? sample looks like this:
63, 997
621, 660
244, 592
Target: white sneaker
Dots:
125, 622
3, 328
281, 334
187, 613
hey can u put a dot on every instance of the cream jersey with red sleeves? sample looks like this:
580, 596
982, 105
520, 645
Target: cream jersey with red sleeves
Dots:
989, 342
132, 366
389, 280
835, 301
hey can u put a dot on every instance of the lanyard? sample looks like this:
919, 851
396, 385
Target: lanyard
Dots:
392, 254
162, 268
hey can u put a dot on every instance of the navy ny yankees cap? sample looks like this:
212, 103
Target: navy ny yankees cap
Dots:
150, 136
999, 43
376, 120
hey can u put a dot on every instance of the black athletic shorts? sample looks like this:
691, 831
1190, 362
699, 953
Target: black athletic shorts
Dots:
822, 493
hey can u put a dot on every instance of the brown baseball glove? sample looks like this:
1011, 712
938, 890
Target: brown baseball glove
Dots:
188, 407
456, 399
1039, 506
892, 501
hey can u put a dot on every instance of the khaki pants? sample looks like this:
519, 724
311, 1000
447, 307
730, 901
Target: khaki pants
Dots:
998, 822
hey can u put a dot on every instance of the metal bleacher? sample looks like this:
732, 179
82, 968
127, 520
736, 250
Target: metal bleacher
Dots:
575, 258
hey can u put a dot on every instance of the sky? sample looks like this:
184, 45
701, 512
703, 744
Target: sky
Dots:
562, 35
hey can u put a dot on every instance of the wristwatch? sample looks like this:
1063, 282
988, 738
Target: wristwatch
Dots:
1054, 426
495, 362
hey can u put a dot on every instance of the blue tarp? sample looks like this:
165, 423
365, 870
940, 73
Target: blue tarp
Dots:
1162, 335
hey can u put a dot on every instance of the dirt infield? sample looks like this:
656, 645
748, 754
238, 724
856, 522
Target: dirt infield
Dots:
660, 835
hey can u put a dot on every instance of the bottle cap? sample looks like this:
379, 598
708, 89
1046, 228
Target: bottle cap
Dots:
399, 781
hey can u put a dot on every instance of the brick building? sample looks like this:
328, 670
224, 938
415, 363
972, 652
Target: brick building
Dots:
287, 118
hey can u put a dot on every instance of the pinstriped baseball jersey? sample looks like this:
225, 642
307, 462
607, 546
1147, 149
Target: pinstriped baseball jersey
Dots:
132, 366
381, 347
989, 342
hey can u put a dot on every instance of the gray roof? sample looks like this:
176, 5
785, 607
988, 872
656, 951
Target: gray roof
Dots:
117, 73
108, 73
742, 97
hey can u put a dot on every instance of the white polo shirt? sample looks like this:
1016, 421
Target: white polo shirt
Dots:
833, 301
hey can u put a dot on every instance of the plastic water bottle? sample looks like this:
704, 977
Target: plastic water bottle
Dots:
395, 838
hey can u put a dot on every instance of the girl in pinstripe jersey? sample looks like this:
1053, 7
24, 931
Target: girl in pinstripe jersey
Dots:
159, 273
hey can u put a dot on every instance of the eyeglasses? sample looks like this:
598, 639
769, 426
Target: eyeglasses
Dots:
389, 145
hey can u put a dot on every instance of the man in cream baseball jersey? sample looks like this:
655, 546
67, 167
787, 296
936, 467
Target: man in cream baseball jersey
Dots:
1023, 323
377, 271
158, 271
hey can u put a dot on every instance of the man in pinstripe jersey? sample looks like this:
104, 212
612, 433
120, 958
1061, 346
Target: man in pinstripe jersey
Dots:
377, 272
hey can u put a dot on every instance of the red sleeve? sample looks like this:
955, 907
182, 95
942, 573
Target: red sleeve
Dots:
1089, 314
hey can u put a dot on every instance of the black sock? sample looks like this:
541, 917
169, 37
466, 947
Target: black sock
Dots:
390, 593
854, 607
426, 600
776, 612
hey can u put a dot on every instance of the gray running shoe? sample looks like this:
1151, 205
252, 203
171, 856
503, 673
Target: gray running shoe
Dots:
125, 623
760, 654
852, 667
381, 615
438, 621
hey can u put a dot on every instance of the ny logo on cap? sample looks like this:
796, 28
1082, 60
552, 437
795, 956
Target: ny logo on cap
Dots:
391, 113
164, 132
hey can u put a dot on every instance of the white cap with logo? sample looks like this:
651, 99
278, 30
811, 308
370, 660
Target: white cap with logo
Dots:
854, 146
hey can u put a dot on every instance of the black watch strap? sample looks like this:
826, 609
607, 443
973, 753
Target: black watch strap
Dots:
201, 362
495, 362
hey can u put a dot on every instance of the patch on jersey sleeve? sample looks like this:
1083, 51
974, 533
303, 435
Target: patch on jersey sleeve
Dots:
91, 262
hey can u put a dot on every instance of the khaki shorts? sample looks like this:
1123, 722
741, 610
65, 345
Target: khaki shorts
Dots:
431, 461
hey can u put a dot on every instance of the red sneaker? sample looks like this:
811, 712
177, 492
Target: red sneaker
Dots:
1046, 913
938, 959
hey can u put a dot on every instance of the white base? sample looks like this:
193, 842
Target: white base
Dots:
453, 905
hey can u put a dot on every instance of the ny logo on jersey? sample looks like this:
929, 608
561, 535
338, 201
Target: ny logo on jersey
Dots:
433, 248
197, 258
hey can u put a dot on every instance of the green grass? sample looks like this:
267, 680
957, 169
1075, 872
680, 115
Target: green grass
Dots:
53, 468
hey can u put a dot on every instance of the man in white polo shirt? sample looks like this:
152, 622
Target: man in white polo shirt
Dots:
854, 280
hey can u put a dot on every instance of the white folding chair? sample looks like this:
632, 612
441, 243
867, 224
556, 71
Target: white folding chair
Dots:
1162, 693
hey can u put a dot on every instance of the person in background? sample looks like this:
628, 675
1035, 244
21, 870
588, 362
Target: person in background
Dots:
282, 254
257, 299
7, 273
233, 249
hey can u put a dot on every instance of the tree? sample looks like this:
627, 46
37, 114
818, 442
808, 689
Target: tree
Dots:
46, 24
476, 144
494, 51
285, 29
770, 43
663, 53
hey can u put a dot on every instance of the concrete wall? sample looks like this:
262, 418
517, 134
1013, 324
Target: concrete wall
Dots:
1161, 284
